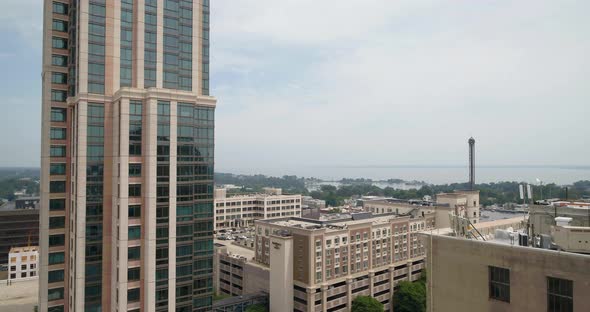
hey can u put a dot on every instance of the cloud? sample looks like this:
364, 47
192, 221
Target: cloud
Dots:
384, 82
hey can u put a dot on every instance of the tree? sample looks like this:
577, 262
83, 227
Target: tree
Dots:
259, 307
366, 304
410, 297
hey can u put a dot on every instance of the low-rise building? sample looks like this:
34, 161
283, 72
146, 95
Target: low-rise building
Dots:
27, 203
463, 203
313, 203
542, 217
23, 263
323, 265
503, 274
242, 210
235, 273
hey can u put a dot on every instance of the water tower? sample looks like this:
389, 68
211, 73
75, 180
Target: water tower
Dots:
471, 163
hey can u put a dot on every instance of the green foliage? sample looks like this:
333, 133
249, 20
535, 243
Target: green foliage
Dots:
217, 296
257, 308
289, 184
366, 304
410, 297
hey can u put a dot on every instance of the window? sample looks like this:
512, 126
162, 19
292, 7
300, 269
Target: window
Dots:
57, 151
134, 211
57, 169
135, 149
59, 78
55, 276
58, 133
57, 204
59, 25
135, 170
57, 222
133, 274
58, 114
134, 232
133, 295
60, 8
55, 294
57, 186
56, 258
59, 43
134, 253
560, 295
56, 309
58, 95
499, 283
57, 240
59, 60
134, 190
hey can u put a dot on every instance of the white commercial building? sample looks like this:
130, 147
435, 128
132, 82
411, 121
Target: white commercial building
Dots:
242, 210
23, 263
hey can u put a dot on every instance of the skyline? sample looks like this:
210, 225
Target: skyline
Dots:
456, 70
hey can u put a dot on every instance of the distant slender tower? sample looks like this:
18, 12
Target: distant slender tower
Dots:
471, 164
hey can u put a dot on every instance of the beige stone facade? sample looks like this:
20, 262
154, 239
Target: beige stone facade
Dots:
332, 262
459, 276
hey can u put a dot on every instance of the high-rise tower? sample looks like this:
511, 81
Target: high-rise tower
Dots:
127, 156
471, 164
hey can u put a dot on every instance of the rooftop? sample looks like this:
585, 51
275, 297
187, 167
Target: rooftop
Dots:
19, 296
23, 249
334, 225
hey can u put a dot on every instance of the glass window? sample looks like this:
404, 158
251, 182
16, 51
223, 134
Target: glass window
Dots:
55, 294
133, 295
58, 114
57, 169
57, 151
134, 253
133, 274
55, 276
57, 204
135, 170
134, 190
134, 232
59, 25
56, 258
134, 211
60, 8
135, 149
59, 43
57, 222
499, 283
59, 60
56, 309
59, 78
57, 240
58, 95
57, 186
560, 295
58, 133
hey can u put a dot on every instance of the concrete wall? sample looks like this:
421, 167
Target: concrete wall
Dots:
458, 275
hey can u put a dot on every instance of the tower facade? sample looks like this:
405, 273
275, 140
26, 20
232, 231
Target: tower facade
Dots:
126, 221
471, 164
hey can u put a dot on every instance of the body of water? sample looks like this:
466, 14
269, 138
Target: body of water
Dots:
433, 174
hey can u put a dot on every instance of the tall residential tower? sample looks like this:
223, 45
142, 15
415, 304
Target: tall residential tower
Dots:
126, 219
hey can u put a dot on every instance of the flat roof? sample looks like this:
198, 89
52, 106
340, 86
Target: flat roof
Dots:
235, 249
19, 296
334, 225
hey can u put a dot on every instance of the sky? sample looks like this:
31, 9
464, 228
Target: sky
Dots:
312, 83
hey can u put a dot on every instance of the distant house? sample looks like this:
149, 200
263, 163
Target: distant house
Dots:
27, 203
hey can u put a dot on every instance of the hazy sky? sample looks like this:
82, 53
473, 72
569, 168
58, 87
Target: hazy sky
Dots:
333, 82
